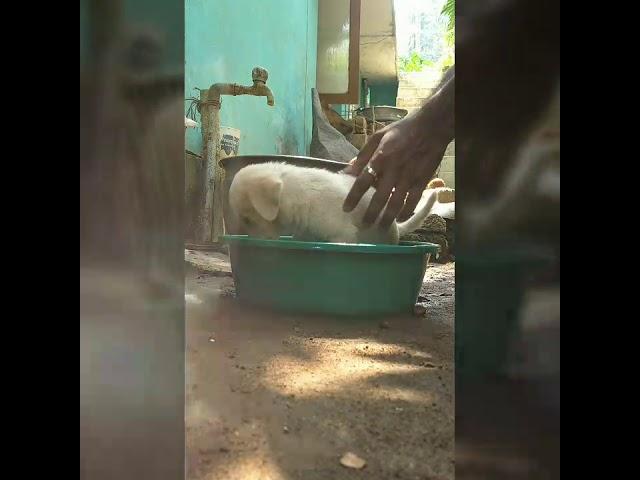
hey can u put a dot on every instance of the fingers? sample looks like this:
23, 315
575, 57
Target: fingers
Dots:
365, 180
357, 164
380, 198
396, 202
360, 186
413, 198
349, 168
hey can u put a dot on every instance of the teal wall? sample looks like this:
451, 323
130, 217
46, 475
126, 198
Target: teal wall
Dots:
384, 94
225, 39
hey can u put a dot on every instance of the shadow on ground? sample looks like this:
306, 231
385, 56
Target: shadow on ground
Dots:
284, 397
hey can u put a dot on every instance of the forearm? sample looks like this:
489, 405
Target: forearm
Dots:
437, 115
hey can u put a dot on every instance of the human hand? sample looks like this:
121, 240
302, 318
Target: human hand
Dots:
404, 156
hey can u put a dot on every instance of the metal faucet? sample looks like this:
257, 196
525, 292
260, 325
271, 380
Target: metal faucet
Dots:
211, 224
259, 88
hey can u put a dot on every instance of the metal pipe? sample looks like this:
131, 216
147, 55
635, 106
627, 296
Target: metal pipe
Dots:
258, 89
211, 222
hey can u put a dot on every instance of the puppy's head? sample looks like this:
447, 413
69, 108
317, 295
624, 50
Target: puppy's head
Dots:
254, 198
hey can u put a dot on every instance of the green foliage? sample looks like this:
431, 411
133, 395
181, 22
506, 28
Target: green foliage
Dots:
413, 63
416, 63
449, 11
447, 60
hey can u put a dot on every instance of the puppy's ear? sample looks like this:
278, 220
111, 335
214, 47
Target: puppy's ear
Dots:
265, 197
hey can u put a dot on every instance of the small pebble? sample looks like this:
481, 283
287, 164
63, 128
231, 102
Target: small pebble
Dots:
285, 429
384, 325
351, 460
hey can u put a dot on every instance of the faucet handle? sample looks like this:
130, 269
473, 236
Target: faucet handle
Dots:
259, 74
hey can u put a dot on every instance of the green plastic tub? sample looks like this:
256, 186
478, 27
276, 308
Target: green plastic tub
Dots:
328, 278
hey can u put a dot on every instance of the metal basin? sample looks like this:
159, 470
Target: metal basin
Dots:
383, 114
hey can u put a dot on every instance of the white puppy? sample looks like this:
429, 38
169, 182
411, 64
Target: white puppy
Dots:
273, 199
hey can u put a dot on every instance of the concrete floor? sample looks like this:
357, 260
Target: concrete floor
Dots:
284, 397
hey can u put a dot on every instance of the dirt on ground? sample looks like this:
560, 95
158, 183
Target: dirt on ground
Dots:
284, 397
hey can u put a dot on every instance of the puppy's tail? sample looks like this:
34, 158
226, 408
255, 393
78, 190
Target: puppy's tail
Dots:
415, 221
